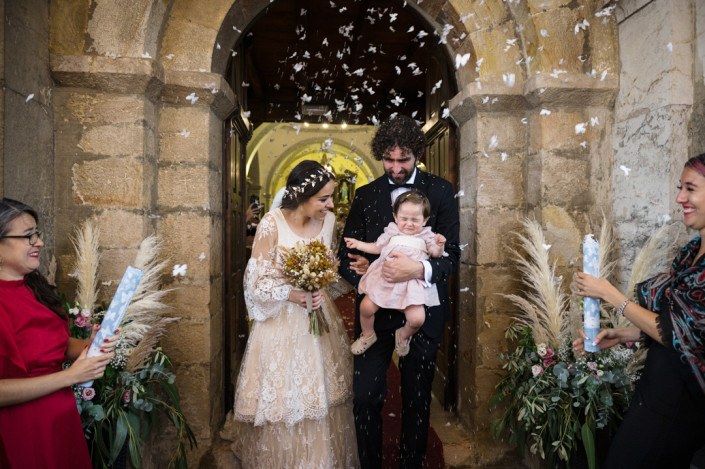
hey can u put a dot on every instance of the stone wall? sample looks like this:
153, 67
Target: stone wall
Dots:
28, 155
655, 126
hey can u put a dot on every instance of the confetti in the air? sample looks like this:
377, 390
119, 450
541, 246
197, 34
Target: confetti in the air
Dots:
582, 25
461, 60
509, 79
625, 170
202, 256
184, 133
580, 128
461, 193
192, 98
669, 47
493, 143
545, 112
179, 270
29, 97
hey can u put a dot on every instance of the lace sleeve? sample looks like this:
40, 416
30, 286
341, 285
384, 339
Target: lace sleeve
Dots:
265, 286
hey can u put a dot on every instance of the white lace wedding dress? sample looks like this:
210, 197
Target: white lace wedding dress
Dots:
293, 403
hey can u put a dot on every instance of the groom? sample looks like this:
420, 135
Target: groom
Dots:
399, 143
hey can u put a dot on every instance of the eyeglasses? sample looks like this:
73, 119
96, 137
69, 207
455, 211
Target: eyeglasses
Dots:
32, 237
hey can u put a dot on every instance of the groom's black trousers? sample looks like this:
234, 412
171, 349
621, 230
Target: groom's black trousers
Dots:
370, 389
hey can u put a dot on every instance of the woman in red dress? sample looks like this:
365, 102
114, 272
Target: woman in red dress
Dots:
39, 422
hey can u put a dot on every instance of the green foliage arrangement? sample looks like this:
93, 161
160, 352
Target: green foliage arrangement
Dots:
551, 400
121, 409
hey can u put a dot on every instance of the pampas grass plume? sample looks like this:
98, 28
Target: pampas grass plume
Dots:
86, 243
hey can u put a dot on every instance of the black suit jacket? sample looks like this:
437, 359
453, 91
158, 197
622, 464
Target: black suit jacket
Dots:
371, 212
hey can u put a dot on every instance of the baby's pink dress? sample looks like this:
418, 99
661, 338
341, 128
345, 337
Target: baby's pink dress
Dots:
402, 294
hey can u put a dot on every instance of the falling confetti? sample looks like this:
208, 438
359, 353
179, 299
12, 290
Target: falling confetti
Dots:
493, 143
184, 133
192, 98
179, 270
202, 256
580, 128
509, 79
545, 112
29, 97
461, 193
546, 246
581, 25
625, 170
461, 60
669, 47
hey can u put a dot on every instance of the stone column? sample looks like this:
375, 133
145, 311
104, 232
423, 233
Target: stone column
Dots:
493, 138
189, 203
137, 157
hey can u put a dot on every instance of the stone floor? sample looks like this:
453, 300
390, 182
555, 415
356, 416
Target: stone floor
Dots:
462, 450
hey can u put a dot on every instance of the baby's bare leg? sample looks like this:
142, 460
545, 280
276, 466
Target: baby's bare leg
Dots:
367, 316
415, 317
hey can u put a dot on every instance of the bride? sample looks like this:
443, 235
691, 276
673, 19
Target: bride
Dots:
293, 403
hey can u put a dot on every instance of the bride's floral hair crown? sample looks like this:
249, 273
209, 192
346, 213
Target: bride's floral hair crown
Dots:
304, 181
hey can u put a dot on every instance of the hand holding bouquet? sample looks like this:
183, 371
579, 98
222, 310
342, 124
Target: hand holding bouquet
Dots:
310, 266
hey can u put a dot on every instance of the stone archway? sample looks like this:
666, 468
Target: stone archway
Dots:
134, 146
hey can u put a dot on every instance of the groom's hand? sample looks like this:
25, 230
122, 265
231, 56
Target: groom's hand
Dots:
358, 263
400, 268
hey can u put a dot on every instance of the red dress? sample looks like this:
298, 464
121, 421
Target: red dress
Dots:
46, 432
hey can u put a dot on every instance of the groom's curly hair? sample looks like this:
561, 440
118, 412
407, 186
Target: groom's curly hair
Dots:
399, 131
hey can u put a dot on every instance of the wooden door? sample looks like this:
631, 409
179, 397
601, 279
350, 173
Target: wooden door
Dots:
236, 134
441, 160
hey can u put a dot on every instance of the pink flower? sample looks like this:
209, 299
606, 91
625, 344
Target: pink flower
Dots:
126, 397
88, 394
548, 361
592, 365
81, 321
536, 370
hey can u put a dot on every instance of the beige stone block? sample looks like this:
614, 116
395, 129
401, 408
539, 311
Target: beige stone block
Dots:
508, 130
66, 20
113, 263
196, 148
538, 6
183, 186
480, 15
556, 131
492, 284
489, 46
186, 235
495, 234
188, 341
485, 383
491, 340
559, 52
187, 301
193, 384
113, 233
190, 42
565, 181
108, 182
91, 109
501, 182
563, 232
113, 140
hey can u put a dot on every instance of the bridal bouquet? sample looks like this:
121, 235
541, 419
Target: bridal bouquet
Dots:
311, 266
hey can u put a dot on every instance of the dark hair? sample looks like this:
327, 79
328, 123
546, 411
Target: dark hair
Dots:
697, 163
413, 197
35, 281
399, 131
304, 181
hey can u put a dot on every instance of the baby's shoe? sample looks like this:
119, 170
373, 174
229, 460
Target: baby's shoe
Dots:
400, 345
361, 345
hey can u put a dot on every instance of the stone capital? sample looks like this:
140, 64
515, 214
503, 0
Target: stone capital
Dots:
125, 75
543, 89
211, 89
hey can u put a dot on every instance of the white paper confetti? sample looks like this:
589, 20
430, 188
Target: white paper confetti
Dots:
179, 270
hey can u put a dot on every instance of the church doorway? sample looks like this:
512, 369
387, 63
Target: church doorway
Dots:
313, 79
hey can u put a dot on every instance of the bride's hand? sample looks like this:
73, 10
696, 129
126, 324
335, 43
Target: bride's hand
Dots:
299, 297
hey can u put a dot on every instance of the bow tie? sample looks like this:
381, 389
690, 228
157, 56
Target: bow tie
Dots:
408, 185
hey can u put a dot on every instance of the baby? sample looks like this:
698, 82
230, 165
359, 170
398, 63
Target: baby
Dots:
408, 235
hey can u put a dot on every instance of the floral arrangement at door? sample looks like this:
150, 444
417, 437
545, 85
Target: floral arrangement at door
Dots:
552, 400
120, 410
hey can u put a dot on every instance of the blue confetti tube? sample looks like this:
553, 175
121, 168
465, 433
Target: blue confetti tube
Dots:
591, 306
116, 311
